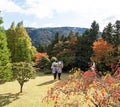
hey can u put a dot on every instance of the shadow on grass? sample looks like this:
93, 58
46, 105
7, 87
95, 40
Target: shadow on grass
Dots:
7, 98
47, 83
42, 74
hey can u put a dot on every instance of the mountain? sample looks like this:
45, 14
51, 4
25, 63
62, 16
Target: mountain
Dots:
46, 35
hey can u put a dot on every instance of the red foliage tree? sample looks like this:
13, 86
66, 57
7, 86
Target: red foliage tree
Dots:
39, 55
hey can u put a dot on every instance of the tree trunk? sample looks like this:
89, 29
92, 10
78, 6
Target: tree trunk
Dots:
21, 87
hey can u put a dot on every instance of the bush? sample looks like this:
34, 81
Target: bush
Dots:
85, 90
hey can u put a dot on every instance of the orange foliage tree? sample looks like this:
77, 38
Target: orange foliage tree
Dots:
39, 55
102, 52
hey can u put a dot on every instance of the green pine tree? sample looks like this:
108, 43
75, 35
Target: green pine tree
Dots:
5, 66
20, 44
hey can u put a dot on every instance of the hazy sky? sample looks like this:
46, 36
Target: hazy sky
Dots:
57, 13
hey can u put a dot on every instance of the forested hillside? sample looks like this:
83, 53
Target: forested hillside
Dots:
42, 36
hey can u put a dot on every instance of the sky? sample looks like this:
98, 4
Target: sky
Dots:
59, 13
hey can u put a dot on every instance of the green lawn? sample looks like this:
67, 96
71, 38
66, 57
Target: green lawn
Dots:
33, 91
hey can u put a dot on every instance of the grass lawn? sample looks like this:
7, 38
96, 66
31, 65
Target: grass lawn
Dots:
33, 91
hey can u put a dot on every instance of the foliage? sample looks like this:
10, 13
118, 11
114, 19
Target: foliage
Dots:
84, 46
20, 44
108, 33
5, 66
45, 62
39, 55
103, 53
111, 33
41, 48
53, 59
22, 71
22, 52
84, 90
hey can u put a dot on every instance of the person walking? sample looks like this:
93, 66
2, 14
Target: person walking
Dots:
54, 68
60, 67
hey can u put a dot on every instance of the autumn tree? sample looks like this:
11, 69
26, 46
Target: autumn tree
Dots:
39, 55
103, 53
5, 66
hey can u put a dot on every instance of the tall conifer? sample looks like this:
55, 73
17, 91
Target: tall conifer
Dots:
5, 71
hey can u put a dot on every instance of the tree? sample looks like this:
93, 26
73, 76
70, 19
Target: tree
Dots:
41, 48
117, 33
22, 71
22, 51
94, 30
20, 44
108, 33
71, 35
57, 38
39, 55
5, 66
53, 42
12, 40
45, 63
84, 46
83, 52
103, 53
111, 33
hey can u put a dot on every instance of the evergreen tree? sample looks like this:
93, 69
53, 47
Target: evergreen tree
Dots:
108, 33
5, 66
53, 42
22, 51
117, 33
41, 48
63, 38
20, 44
83, 52
84, 46
57, 38
94, 31
71, 35
12, 40
112, 33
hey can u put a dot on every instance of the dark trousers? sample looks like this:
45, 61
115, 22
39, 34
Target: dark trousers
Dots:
55, 75
59, 75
